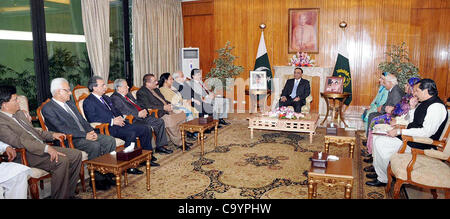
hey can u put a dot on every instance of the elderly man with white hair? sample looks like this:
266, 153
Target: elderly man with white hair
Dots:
394, 96
61, 115
13, 176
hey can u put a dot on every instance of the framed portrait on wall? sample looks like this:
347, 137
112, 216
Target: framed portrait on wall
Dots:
303, 30
258, 80
334, 85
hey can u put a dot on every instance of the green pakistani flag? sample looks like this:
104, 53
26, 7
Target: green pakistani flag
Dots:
342, 69
262, 61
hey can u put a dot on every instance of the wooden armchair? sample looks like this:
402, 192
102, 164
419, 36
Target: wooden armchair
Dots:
78, 91
37, 175
424, 168
310, 106
84, 155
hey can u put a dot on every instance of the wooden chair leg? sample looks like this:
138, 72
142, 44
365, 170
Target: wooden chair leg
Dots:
389, 174
42, 184
83, 183
34, 190
397, 187
434, 193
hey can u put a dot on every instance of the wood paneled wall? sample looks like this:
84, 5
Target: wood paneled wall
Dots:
372, 26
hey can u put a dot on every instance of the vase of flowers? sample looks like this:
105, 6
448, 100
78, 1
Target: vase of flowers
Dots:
284, 113
301, 59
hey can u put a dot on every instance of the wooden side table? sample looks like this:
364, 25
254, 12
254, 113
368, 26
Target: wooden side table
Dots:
340, 138
337, 173
109, 164
338, 109
195, 126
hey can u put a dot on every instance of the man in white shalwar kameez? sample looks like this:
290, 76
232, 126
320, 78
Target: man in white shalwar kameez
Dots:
427, 120
13, 176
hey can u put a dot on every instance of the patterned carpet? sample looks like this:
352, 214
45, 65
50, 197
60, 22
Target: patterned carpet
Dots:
272, 165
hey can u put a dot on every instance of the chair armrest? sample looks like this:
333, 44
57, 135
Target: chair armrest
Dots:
103, 127
410, 167
23, 156
406, 138
130, 118
150, 111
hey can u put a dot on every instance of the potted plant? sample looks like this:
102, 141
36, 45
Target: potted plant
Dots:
224, 67
399, 64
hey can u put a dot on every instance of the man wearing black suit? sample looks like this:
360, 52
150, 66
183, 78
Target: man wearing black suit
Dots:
99, 108
295, 91
61, 115
394, 96
127, 105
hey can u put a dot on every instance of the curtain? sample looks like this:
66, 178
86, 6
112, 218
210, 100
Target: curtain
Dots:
96, 30
157, 37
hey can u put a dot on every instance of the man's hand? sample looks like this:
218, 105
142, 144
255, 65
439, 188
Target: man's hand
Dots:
283, 99
392, 133
143, 113
54, 154
57, 135
296, 99
91, 136
119, 121
168, 108
11, 153
389, 109
379, 109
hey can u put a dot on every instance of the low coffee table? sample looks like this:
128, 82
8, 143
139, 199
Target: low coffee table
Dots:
109, 164
195, 126
337, 173
340, 138
307, 124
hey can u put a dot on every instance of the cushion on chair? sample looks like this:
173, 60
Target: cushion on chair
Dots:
119, 142
427, 171
80, 91
37, 173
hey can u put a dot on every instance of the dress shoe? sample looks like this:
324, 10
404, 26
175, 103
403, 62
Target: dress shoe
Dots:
134, 171
153, 164
162, 150
371, 175
153, 158
191, 138
368, 160
219, 126
208, 131
223, 122
364, 143
369, 169
375, 183
188, 144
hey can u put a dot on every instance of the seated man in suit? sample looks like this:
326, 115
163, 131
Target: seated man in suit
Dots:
99, 108
295, 91
395, 95
127, 105
149, 97
13, 176
16, 130
61, 115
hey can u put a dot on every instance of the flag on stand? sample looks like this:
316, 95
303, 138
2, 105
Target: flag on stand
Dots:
342, 69
262, 61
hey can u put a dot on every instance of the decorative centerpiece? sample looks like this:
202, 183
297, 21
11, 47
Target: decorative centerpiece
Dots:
301, 59
284, 113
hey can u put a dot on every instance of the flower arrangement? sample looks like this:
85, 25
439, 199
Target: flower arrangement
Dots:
301, 59
284, 113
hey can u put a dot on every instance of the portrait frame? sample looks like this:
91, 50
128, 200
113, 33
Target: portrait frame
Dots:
311, 16
334, 85
258, 80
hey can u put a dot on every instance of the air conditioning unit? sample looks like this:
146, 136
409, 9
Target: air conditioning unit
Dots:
190, 59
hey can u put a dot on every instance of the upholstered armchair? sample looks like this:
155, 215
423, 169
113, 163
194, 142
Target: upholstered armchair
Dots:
84, 155
78, 91
424, 168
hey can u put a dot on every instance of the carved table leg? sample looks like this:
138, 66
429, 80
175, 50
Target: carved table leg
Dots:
327, 145
202, 141
94, 192
215, 134
119, 195
311, 137
251, 133
310, 189
147, 168
183, 138
352, 147
328, 109
348, 191
315, 190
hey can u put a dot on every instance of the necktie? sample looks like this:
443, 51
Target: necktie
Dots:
294, 90
104, 102
135, 105
27, 128
74, 117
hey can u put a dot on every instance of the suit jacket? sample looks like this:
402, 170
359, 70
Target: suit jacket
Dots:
303, 89
59, 120
13, 134
122, 104
96, 111
394, 96
147, 100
